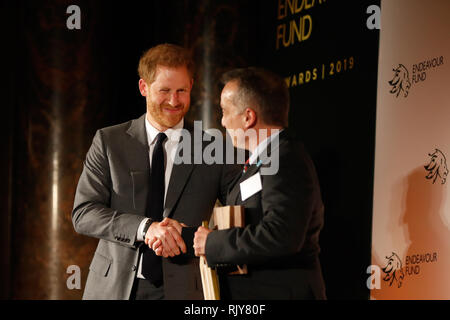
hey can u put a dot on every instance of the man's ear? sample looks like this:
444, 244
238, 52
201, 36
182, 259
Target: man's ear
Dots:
192, 83
250, 118
143, 87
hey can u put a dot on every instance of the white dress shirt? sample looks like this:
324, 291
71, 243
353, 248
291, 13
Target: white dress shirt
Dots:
170, 148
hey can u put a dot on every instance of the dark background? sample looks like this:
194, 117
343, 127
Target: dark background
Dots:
60, 86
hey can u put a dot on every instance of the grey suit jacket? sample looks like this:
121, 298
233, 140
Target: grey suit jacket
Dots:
110, 203
280, 243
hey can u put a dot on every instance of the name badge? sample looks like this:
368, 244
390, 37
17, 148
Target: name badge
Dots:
250, 186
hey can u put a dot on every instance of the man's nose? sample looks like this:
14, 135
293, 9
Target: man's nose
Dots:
173, 99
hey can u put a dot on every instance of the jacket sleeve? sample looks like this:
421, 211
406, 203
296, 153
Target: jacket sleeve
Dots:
287, 201
228, 173
91, 214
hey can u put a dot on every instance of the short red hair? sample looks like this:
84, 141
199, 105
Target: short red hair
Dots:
168, 55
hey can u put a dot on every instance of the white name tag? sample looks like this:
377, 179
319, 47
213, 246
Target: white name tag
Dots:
251, 186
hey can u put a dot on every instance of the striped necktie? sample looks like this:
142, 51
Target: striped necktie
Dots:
246, 165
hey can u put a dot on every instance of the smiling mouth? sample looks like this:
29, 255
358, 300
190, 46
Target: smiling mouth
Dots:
173, 110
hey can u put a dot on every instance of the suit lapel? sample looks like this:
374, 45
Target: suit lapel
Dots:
138, 163
234, 196
138, 132
178, 179
179, 176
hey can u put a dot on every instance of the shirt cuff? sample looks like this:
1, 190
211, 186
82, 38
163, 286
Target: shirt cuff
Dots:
140, 230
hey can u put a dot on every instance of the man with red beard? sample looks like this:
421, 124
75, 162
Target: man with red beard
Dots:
133, 192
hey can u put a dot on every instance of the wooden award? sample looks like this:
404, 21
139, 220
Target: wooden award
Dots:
229, 217
222, 218
210, 281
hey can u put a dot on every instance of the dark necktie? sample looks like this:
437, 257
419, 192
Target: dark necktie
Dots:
151, 263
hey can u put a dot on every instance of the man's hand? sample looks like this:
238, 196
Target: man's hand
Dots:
200, 240
165, 238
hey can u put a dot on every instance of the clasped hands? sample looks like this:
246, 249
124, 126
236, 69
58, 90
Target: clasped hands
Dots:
164, 238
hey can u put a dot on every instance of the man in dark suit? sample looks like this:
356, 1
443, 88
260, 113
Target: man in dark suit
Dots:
140, 181
280, 192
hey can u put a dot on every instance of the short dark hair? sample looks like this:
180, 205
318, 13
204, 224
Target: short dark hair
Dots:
167, 55
262, 89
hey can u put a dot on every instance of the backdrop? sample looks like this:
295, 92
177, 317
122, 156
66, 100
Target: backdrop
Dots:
411, 235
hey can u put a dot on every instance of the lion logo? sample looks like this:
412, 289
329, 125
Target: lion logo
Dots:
437, 167
393, 270
400, 82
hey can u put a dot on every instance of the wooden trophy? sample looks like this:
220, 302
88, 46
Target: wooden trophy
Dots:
222, 218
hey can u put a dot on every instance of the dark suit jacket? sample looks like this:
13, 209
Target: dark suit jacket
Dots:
280, 243
111, 200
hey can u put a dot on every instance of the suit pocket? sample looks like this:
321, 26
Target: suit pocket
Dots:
141, 183
100, 264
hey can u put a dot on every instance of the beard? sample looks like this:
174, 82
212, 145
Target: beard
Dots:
166, 115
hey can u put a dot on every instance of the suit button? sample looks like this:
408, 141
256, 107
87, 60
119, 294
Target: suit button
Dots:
134, 268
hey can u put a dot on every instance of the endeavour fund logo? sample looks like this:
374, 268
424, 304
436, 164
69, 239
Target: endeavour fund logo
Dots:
437, 167
393, 270
396, 271
402, 82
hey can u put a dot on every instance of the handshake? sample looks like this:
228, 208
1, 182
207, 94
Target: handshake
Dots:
164, 238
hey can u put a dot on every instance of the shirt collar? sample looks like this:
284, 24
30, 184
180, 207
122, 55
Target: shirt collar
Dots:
261, 146
173, 134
